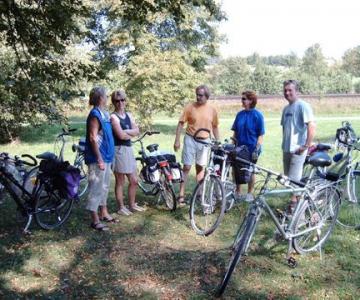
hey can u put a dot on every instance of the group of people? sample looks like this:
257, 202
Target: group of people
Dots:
108, 144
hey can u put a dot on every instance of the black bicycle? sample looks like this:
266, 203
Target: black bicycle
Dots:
159, 171
44, 202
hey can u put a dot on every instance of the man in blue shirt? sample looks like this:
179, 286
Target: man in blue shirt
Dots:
249, 130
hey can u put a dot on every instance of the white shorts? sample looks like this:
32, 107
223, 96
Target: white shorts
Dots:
293, 164
99, 182
194, 152
124, 160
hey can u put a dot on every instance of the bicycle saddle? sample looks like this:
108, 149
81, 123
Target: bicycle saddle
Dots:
319, 159
47, 156
152, 147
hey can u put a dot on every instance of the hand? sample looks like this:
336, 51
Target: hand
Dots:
101, 164
301, 150
176, 146
255, 155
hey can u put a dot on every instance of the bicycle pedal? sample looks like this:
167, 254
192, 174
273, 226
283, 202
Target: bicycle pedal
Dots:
280, 213
292, 263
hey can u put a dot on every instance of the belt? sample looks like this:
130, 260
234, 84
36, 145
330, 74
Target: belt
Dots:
198, 138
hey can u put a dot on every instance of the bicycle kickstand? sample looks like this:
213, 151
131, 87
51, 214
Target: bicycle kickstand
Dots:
26, 229
291, 261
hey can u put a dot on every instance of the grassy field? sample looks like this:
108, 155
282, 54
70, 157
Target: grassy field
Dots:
156, 255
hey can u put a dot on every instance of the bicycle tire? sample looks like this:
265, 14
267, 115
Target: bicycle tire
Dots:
349, 215
167, 193
207, 214
48, 205
244, 238
324, 209
30, 179
84, 182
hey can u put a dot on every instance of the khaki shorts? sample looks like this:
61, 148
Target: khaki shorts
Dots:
194, 152
124, 160
99, 182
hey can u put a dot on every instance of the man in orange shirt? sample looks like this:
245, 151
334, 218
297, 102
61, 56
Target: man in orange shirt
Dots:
199, 114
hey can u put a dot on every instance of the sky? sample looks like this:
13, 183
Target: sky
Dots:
271, 27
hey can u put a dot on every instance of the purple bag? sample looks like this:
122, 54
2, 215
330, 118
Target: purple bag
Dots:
67, 182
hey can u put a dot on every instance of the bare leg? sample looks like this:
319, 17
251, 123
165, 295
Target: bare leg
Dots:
95, 217
119, 187
186, 170
200, 172
251, 184
104, 213
133, 181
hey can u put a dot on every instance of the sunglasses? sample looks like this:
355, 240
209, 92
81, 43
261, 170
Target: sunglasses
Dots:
119, 100
245, 99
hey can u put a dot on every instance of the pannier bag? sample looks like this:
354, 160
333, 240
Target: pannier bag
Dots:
176, 171
150, 172
65, 178
241, 176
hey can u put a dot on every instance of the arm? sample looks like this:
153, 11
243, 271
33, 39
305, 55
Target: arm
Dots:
94, 128
134, 131
310, 136
216, 133
177, 135
120, 134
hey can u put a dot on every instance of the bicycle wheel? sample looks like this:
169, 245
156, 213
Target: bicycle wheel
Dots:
349, 215
229, 188
167, 193
319, 218
30, 179
242, 241
207, 206
51, 210
84, 183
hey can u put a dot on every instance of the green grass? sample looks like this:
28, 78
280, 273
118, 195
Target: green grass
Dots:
156, 255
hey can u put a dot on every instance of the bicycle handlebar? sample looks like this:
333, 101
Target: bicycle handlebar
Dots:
17, 160
201, 141
67, 132
145, 134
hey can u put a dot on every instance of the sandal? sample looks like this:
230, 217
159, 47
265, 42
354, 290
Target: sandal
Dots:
109, 220
181, 201
99, 227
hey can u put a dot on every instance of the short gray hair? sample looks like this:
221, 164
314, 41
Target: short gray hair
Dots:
295, 83
95, 95
206, 90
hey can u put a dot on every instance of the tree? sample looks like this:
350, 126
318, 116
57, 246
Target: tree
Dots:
315, 67
159, 81
38, 39
265, 79
351, 61
230, 76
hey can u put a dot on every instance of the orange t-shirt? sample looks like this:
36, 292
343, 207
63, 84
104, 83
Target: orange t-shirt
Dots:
199, 116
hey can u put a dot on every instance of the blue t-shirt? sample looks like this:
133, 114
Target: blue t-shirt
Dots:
105, 139
248, 126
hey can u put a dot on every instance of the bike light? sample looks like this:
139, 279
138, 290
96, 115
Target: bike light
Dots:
163, 163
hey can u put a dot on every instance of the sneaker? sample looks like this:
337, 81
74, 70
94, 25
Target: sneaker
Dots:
249, 197
124, 212
136, 208
140, 208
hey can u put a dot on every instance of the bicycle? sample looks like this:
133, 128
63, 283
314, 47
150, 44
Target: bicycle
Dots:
79, 161
21, 172
215, 193
307, 230
349, 173
44, 202
159, 172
